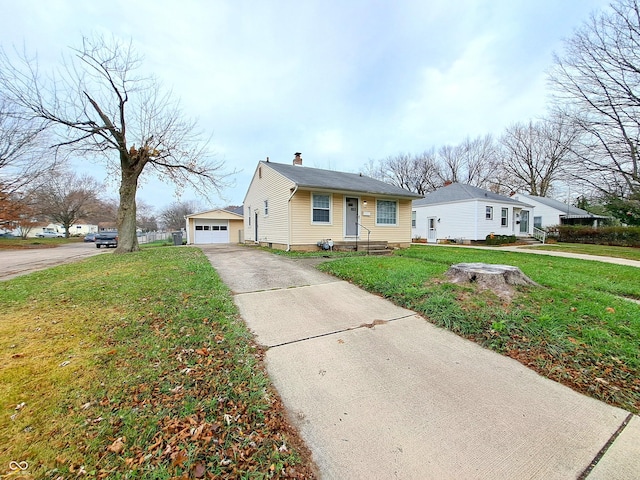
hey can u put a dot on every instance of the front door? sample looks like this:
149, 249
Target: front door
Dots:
351, 217
524, 221
431, 230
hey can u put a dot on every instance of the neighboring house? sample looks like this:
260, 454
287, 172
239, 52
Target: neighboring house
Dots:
295, 207
464, 213
550, 212
214, 226
77, 230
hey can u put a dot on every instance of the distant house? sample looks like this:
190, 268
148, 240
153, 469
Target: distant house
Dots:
465, 213
214, 226
296, 207
550, 212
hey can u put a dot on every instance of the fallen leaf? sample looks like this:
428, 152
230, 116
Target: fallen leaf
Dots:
178, 458
117, 446
199, 470
610, 310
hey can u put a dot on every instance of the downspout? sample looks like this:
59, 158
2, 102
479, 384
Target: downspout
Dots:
289, 218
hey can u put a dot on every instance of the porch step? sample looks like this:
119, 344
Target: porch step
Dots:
528, 241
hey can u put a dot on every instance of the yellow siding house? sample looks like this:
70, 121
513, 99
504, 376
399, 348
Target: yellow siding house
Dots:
294, 207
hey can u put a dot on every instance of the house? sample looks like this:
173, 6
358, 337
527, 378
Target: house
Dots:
464, 213
293, 207
550, 212
214, 226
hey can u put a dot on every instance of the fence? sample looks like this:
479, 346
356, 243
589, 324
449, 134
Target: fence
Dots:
154, 236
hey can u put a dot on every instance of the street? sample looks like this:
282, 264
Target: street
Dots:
20, 262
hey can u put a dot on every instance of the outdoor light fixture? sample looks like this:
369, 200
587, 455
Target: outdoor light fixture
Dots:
364, 203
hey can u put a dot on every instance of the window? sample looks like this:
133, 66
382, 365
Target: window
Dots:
386, 212
249, 213
504, 217
488, 213
266, 208
413, 219
198, 227
537, 222
321, 208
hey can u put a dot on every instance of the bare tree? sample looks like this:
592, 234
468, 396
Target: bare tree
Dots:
536, 154
172, 216
22, 156
596, 83
65, 198
472, 162
99, 107
415, 173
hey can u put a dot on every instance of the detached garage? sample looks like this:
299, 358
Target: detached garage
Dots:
214, 226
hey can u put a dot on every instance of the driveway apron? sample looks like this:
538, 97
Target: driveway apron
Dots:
378, 392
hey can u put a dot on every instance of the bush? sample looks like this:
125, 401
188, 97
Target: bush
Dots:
499, 239
618, 236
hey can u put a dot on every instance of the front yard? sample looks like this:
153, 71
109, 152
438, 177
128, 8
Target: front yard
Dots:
136, 366
580, 328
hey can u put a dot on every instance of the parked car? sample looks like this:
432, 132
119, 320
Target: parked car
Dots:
50, 235
7, 235
90, 237
106, 239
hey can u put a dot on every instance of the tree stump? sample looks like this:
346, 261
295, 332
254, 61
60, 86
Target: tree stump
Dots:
499, 278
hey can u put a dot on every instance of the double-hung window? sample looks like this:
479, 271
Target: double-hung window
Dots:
488, 213
504, 217
320, 208
266, 208
386, 212
413, 219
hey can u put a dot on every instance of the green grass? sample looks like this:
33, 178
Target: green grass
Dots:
599, 250
16, 243
136, 366
576, 328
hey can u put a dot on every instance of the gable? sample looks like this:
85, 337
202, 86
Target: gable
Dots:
218, 214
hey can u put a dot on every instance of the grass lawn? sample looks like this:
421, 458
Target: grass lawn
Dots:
19, 243
576, 328
136, 366
601, 250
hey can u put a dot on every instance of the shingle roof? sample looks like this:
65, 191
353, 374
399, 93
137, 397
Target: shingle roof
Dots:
458, 192
306, 177
568, 210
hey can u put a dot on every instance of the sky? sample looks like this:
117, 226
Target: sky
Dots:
342, 81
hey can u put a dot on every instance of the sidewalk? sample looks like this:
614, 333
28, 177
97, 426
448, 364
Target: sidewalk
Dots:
532, 249
378, 392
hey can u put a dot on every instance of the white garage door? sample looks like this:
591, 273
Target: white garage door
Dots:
212, 231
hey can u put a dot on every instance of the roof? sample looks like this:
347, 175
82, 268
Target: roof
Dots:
458, 192
305, 177
568, 211
221, 213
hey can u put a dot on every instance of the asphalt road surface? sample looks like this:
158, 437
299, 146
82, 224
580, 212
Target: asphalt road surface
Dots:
14, 263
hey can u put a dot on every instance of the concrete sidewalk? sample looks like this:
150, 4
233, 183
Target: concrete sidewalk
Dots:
378, 392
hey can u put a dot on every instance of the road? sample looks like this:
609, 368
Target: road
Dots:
14, 263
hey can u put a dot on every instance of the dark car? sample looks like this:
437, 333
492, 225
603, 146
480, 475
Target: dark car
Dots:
106, 239
90, 237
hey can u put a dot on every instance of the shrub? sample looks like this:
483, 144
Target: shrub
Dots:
499, 239
619, 236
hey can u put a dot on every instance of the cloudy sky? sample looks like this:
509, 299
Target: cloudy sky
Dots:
342, 81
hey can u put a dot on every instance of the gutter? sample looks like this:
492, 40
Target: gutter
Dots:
289, 217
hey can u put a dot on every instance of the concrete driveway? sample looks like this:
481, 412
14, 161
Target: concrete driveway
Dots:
20, 262
378, 392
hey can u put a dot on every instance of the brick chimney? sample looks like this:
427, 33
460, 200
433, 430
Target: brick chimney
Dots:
297, 160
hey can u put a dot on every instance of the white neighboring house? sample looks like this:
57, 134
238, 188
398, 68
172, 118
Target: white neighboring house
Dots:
464, 213
550, 212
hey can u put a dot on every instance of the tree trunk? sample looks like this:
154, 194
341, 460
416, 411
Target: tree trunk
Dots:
126, 223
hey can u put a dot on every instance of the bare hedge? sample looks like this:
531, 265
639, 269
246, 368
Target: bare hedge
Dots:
619, 236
